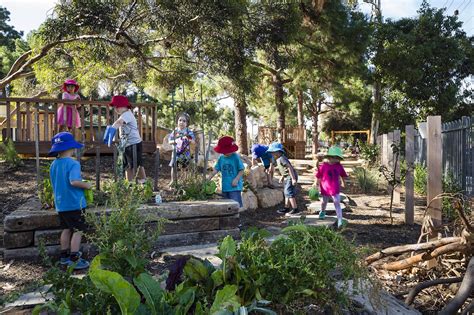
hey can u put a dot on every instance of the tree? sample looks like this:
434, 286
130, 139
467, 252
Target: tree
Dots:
424, 61
8, 34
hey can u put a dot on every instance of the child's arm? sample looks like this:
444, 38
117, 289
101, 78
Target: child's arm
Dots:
118, 123
343, 183
236, 179
81, 184
293, 175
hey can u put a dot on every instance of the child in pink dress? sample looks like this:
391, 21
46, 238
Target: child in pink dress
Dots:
68, 115
331, 176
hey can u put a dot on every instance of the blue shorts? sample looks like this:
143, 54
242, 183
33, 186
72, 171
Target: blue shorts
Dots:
289, 190
234, 195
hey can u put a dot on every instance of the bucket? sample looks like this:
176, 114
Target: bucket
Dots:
109, 135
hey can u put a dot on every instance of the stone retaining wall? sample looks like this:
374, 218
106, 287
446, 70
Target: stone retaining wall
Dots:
190, 223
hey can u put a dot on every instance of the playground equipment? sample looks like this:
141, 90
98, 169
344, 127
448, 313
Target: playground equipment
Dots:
292, 138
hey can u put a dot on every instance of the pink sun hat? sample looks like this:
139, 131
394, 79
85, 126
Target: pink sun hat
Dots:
70, 82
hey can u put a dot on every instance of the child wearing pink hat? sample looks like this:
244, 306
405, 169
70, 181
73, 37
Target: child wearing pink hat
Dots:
231, 168
68, 115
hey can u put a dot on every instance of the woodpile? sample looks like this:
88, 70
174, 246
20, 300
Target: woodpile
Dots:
418, 271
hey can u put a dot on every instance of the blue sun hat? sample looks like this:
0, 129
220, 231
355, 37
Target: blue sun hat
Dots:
275, 147
258, 150
63, 141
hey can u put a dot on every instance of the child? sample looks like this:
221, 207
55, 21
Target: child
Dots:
328, 175
231, 167
68, 115
129, 137
69, 198
289, 175
260, 152
182, 137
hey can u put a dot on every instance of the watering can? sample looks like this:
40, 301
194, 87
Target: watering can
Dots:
109, 135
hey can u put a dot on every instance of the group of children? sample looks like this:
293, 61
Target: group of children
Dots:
68, 185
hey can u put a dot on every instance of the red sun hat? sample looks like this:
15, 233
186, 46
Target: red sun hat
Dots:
120, 101
70, 82
226, 145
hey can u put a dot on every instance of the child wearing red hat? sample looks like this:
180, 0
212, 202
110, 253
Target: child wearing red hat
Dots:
231, 167
129, 137
68, 115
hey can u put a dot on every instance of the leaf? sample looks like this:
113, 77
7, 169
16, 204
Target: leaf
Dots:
195, 270
113, 283
151, 290
225, 299
186, 298
227, 248
217, 278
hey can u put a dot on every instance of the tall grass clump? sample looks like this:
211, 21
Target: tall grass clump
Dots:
367, 179
9, 155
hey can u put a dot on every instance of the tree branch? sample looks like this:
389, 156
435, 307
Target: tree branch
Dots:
421, 286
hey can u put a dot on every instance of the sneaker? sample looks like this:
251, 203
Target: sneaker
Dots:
283, 211
293, 212
322, 215
79, 264
64, 261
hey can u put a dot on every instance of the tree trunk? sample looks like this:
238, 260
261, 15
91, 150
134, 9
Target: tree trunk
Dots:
374, 124
314, 130
240, 112
300, 109
280, 105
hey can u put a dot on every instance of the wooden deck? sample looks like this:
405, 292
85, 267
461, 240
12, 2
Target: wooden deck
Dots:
26, 120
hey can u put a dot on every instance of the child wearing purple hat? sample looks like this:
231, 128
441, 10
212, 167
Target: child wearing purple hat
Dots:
259, 152
69, 198
68, 115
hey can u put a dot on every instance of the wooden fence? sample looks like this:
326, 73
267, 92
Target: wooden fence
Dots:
23, 118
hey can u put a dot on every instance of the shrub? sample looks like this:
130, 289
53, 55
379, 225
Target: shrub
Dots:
45, 192
9, 155
190, 185
367, 179
450, 185
369, 152
421, 177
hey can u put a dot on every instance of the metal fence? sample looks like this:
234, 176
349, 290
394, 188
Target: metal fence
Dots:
458, 152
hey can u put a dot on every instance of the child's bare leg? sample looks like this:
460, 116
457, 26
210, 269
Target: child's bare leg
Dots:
141, 174
287, 202
293, 202
76, 241
65, 239
129, 174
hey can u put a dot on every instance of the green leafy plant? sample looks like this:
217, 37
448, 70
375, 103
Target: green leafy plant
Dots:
420, 178
450, 185
9, 155
191, 186
45, 191
369, 152
391, 176
367, 179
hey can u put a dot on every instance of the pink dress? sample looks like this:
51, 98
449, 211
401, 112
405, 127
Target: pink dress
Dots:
68, 115
329, 174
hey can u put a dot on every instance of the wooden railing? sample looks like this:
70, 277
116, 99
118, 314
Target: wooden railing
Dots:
23, 114
290, 134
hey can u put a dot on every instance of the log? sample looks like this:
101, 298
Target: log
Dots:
411, 247
426, 284
463, 293
410, 261
469, 309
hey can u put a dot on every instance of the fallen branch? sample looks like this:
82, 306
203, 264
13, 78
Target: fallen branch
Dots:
410, 261
469, 309
463, 293
410, 247
421, 286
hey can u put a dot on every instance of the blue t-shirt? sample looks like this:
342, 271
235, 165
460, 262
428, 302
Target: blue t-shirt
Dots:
267, 158
229, 166
66, 196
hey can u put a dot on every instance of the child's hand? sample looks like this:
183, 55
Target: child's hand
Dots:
235, 182
89, 185
281, 180
294, 181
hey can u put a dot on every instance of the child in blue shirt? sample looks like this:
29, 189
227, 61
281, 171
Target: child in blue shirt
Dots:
69, 199
259, 151
231, 167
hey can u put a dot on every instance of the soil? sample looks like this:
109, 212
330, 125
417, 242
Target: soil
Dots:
369, 218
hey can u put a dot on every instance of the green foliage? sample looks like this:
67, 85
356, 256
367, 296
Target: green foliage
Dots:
369, 152
367, 179
421, 179
192, 186
121, 235
450, 185
45, 192
305, 262
9, 155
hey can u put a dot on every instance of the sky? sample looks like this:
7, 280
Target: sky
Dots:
27, 15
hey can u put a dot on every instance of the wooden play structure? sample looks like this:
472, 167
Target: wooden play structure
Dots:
26, 119
293, 139
350, 132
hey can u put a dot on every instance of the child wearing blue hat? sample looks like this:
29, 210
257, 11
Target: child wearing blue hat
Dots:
288, 175
69, 199
259, 151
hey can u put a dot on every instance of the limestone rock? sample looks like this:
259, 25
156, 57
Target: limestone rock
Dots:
47, 237
17, 239
195, 238
268, 197
249, 200
24, 220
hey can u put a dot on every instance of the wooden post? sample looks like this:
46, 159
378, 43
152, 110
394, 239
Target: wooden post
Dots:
396, 141
157, 169
409, 177
8, 121
384, 149
390, 156
38, 175
97, 166
434, 167
19, 126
